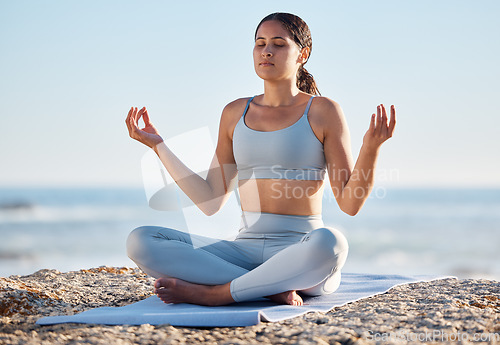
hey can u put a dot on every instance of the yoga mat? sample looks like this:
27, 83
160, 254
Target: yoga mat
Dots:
354, 286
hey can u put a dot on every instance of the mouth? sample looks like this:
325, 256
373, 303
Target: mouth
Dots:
264, 64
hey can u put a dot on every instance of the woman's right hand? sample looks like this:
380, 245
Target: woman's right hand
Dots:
148, 135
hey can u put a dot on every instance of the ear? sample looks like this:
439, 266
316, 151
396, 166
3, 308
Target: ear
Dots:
304, 54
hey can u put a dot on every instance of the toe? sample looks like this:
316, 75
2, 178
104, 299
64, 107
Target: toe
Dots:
161, 282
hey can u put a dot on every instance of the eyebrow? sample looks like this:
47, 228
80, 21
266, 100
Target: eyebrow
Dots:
262, 38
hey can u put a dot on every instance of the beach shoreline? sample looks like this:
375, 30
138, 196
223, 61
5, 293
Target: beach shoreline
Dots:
443, 311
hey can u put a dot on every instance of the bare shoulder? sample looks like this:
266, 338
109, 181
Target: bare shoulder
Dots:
231, 114
233, 110
328, 115
327, 109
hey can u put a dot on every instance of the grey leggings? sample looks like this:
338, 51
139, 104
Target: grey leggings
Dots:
272, 253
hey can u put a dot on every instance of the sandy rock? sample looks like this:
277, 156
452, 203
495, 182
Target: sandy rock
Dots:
445, 311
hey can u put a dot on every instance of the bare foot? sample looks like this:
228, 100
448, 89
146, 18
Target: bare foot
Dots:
174, 290
287, 297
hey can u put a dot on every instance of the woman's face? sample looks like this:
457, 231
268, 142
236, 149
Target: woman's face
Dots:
276, 56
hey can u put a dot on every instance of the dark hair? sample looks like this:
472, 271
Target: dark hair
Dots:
300, 33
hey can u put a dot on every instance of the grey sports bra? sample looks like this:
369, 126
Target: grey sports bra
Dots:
291, 153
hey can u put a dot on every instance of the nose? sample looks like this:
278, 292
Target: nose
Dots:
266, 53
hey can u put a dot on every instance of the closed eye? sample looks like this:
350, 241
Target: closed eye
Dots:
278, 41
276, 45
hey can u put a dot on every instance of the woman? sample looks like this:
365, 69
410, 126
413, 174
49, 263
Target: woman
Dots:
278, 146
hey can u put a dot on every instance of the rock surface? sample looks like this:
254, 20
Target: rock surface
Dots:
442, 311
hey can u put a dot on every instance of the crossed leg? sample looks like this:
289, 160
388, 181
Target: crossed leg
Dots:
221, 272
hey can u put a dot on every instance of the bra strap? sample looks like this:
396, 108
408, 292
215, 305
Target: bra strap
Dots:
309, 105
248, 104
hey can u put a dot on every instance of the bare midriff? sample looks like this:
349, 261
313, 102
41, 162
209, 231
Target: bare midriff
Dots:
294, 197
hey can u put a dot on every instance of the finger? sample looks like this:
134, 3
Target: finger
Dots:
132, 116
137, 117
128, 115
392, 121
146, 118
134, 119
383, 124
372, 123
131, 122
127, 120
384, 116
141, 112
379, 120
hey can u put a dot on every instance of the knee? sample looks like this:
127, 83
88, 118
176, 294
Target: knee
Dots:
136, 242
329, 241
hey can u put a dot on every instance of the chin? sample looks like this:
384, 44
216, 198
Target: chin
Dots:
266, 75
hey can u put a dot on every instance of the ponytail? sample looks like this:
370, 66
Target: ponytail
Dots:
306, 82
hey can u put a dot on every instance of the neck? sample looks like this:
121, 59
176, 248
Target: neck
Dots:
280, 93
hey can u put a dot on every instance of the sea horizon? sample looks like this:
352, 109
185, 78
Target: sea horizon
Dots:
400, 230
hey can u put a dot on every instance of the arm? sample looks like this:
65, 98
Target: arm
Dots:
208, 194
352, 185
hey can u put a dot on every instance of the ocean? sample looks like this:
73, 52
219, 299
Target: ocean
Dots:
399, 231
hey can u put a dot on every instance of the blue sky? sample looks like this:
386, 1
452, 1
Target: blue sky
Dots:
69, 72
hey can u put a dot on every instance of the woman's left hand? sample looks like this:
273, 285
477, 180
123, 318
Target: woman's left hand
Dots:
380, 130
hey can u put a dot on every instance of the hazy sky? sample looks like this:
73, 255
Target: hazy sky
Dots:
70, 70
